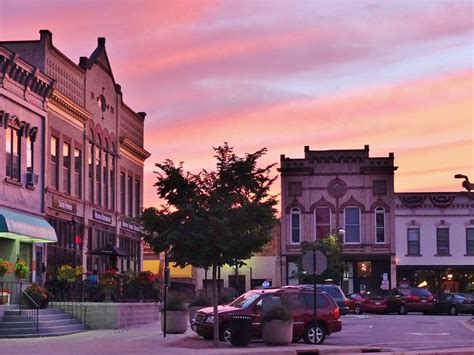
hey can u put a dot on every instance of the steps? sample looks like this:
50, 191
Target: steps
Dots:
52, 322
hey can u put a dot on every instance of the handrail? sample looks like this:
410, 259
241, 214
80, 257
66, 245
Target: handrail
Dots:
36, 317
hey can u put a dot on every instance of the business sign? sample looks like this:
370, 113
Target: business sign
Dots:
102, 217
130, 225
64, 205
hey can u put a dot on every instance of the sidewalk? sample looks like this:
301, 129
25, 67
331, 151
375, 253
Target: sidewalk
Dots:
148, 339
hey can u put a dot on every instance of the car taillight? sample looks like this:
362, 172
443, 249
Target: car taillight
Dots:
431, 299
413, 298
466, 302
335, 314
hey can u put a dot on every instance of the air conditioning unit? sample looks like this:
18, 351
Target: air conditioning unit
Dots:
31, 178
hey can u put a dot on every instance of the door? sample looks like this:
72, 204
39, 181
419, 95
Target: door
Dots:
39, 265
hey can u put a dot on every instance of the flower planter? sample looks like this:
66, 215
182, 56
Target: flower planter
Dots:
277, 332
176, 321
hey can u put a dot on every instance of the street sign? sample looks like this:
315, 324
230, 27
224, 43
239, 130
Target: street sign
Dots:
309, 264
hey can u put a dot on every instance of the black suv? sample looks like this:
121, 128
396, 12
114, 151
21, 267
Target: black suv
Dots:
410, 299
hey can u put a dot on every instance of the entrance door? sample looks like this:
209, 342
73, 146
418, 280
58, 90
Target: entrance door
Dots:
39, 265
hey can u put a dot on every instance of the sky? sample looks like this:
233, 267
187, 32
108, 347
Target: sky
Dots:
282, 74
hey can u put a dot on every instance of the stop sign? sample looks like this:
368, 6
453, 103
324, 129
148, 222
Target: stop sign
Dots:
315, 267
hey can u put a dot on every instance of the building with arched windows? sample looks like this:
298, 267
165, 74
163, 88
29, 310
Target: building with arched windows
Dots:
94, 159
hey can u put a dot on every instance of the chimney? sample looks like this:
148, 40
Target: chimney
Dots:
101, 41
142, 115
46, 36
83, 62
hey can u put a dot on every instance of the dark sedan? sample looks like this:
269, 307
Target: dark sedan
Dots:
454, 303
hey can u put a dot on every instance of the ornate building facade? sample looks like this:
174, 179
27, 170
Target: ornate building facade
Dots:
94, 159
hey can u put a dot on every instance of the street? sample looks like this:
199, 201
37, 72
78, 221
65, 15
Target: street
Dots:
404, 332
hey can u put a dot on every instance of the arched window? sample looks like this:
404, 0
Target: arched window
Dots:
352, 225
322, 219
295, 225
379, 225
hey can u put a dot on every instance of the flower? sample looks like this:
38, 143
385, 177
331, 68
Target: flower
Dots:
21, 269
6, 267
67, 273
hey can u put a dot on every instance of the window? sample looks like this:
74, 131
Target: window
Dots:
442, 241
112, 181
352, 224
469, 240
122, 193
54, 162
323, 221
130, 196
91, 172
105, 180
98, 186
413, 239
137, 198
13, 153
379, 225
29, 155
67, 168
77, 172
295, 225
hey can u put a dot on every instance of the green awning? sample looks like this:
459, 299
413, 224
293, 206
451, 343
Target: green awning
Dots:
25, 227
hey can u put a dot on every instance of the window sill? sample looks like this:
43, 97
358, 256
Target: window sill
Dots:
13, 182
30, 186
442, 255
413, 255
469, 254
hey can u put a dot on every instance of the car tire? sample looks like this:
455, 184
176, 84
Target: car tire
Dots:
358, 309
224, 332
402, 310
314, 334
453, 311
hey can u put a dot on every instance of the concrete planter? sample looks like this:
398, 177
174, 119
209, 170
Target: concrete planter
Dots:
176, 321
277, 332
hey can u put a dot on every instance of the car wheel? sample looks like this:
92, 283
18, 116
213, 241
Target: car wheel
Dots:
224, 333
402, 310
358, 309
314, 334
453, 311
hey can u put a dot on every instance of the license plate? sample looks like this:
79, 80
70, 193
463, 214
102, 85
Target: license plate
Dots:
423, 301
377, 303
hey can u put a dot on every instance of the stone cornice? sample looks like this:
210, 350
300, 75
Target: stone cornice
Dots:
62, 101
133, 148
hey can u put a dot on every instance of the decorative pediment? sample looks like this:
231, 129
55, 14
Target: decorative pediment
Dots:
413, 201
380, 203
294, 204
322, 202
352, 202
442, 201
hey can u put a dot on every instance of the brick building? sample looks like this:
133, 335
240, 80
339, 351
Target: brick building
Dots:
94, 159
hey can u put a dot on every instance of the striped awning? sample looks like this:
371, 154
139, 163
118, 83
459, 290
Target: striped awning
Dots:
25, 227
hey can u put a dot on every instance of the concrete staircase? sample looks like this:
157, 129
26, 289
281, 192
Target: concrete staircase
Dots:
52, 322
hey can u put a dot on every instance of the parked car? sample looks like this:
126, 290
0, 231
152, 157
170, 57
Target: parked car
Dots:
255, 302
410, 299
334, 291
369, 302
454, 303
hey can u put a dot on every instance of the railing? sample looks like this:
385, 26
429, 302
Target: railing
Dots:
76, 309
10, 291
32, 313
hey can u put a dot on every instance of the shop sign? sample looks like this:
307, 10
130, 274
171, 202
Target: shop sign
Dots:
102, 217
64, 205
130, 225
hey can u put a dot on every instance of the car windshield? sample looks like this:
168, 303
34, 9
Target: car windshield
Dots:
333, 291
245, 300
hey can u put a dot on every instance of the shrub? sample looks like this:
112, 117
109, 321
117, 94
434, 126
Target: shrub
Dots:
277, 312
38, 294
69, 274
175, 302
6, 267
21, 269
200, 300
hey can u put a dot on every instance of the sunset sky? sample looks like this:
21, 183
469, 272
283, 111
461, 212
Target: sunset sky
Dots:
397, 75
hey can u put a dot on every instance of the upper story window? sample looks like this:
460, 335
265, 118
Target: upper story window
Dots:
122, 193
137, 198
413, 241
67, 168
352, 224
295, 225
112, 181
470, 241
323, 222
442, 241
54, 171
379, 225
13, 153
90, 162
77, 172
105, 179
130, 196
30, 155
98, 186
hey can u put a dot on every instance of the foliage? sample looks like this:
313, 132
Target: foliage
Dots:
277, 312
21, 269
331, 247
38, 294
69, 274
146, 278
200, 300
175, 302
6, 267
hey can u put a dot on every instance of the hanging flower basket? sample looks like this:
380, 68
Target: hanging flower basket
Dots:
21, 269
6, 267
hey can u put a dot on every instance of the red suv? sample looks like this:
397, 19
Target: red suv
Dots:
256, 302
410, 299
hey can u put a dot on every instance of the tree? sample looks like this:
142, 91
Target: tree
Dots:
212, 218
331, 247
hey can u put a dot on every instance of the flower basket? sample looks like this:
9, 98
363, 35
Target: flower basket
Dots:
6, 267
69, 274
21, 269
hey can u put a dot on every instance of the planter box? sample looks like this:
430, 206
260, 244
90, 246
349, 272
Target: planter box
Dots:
277, 332
176, 321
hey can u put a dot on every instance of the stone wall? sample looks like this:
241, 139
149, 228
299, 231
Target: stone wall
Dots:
114, 315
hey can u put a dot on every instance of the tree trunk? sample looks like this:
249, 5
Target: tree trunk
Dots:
214, 305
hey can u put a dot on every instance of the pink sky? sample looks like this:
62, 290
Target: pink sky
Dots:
397, 75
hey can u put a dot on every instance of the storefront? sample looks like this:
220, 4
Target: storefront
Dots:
100, 234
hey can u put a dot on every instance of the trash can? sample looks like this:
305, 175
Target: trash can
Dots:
240, 330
